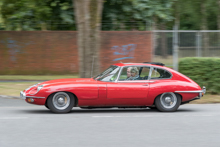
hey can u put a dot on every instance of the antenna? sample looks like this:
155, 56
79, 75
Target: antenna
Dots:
92, 66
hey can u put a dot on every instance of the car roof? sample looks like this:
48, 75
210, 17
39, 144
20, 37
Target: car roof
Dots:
139, 64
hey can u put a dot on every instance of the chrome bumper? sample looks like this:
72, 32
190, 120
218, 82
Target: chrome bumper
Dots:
204, 89
22, 95
201, 92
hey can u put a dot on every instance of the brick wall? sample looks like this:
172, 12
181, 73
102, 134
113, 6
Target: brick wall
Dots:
55, 52
125, 46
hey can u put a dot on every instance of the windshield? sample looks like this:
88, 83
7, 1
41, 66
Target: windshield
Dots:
110, 74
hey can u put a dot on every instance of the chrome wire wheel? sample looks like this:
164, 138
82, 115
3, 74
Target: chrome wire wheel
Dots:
168, 100
61, 100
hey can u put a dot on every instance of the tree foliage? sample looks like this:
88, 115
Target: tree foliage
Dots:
36, 14
117, 14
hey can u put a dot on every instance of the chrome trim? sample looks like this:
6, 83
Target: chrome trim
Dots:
193, 91
151, 69
35, 97
24, 96
136, 81
204, 89
119, 74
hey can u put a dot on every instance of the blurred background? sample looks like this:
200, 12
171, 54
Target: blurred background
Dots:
39, 39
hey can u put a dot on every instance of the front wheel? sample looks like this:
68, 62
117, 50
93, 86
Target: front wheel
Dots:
61, 102
168, 102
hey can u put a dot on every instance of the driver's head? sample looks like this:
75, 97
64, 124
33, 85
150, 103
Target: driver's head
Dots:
134, 71
129, 72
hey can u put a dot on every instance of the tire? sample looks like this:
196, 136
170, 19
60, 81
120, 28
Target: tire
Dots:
168, 102
61, 102
153, 108
47, 106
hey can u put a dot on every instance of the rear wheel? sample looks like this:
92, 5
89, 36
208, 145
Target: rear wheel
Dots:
61, 102
168, 102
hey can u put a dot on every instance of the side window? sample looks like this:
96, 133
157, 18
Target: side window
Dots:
134, 73
158, 73
144, 72
125, 74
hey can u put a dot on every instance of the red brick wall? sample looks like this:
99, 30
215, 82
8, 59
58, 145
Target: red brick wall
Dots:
55, 52
125, 46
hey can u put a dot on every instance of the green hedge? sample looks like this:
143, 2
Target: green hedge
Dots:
204, 71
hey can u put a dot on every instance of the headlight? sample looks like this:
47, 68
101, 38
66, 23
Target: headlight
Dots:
31, 86
40, 87
36, 89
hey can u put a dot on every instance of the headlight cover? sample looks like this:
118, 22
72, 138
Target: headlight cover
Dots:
36, 90
39, 87
31, 86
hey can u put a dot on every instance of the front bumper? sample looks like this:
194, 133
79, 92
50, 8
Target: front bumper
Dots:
24, 96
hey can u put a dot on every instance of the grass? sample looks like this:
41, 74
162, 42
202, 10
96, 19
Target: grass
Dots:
14, 88
207, 99
35, 77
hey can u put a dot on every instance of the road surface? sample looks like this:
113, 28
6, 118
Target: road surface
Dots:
25, 125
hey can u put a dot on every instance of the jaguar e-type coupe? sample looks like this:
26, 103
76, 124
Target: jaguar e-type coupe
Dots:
122, 85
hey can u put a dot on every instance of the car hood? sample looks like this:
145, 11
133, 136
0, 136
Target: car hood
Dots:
68, 81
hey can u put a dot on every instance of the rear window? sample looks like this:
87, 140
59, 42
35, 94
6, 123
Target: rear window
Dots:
158, 73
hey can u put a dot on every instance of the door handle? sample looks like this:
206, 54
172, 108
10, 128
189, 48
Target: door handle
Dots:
145, 85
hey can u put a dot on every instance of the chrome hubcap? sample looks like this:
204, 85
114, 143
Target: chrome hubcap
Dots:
168, 100
61, 100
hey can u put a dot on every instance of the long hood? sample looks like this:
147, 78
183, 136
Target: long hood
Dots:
69, 81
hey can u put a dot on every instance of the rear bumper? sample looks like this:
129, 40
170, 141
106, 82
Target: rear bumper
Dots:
201, 92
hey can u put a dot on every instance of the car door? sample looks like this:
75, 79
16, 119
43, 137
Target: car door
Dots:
128, 92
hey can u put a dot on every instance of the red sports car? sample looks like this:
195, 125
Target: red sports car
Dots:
123, 85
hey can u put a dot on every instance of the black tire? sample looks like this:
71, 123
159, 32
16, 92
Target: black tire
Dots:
163, 104
47, 106
61, 102
153, 108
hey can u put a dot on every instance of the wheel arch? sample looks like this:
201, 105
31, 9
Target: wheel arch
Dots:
75, 97
177, 94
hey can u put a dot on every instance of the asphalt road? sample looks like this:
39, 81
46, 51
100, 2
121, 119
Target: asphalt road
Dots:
25, 125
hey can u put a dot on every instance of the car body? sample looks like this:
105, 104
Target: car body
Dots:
156, 85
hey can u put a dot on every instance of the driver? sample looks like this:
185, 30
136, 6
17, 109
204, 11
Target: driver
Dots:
134, 74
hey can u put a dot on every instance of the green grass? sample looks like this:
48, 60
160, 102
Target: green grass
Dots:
36, 77
207, 99
14, 88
